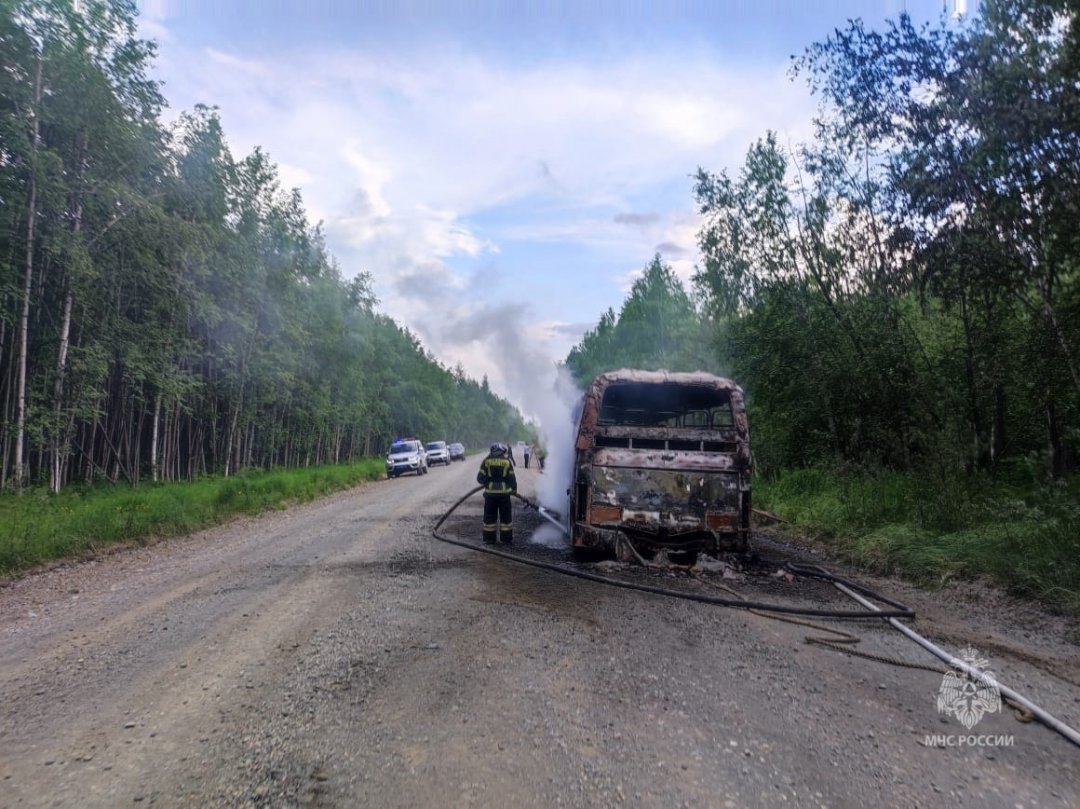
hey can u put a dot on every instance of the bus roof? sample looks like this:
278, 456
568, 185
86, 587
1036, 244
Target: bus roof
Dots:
660, 377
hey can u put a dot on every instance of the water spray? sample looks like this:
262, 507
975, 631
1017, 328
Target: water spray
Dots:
548, 515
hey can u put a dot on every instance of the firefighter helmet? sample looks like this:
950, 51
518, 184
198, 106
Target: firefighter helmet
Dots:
498, 450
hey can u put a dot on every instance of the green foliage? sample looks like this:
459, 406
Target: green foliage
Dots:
37, 526
183, 317
901, 294
903, 290
658, 327
934, 528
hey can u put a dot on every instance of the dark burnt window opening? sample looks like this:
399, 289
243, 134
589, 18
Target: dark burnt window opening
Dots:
685, 446
582, 499
635, 404
649, 443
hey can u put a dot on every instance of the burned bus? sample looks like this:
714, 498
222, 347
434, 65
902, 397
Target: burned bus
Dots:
661, 462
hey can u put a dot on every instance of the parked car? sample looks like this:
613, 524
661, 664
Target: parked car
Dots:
457, 452
406, 455
437, 452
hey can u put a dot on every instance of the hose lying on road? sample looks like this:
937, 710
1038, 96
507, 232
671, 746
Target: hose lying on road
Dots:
1007, 693
897, 610
863, 595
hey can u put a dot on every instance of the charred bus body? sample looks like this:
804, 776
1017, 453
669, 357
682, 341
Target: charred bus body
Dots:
662, 461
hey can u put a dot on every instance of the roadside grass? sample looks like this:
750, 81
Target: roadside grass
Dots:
37, 526
931, 530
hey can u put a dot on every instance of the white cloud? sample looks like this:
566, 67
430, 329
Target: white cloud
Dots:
371, 177
685, 120
625, 280
293, 176
444, 235
222, 60
404, 155
154, 29
681, 232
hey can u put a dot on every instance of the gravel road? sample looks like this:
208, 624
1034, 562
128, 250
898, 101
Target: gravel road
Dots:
336, 655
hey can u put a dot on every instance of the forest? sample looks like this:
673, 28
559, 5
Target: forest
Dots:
902, 292
900, 297
167, 310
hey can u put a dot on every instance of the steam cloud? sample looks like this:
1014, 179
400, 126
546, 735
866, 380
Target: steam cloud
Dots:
539, 387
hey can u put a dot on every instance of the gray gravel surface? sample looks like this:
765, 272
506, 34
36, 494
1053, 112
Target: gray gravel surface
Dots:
336, 655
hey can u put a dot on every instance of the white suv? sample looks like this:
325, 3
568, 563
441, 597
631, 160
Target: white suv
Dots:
406, 455
437, 452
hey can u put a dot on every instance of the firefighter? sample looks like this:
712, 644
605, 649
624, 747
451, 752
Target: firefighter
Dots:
497, 477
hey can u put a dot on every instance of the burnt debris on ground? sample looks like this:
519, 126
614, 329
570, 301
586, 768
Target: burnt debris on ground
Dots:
757, 575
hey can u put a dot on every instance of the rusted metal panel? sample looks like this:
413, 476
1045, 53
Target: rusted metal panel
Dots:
600, 514
719, 520
663, 460
660, 459
674, 491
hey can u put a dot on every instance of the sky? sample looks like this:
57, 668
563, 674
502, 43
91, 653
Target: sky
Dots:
500, 167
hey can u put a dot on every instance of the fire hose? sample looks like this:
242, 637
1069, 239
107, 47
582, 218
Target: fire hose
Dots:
895, 608
863, 595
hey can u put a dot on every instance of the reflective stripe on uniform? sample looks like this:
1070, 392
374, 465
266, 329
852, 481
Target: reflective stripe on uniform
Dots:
497, 476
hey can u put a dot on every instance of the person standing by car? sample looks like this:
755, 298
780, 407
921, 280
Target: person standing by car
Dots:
497, 477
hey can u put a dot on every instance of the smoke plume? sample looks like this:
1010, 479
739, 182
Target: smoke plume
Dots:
542, 390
